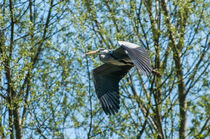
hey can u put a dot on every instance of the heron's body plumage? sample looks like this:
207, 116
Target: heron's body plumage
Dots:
115, 59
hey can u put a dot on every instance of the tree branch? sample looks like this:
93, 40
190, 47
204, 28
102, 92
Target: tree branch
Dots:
90, 99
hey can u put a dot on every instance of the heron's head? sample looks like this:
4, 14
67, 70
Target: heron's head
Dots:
100, 51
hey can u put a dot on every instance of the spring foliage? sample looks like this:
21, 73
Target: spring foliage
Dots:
46, 87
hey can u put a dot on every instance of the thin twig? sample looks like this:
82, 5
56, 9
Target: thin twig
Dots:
90, 99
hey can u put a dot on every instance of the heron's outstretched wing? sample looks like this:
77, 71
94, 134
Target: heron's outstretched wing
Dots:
106, 80
138, 56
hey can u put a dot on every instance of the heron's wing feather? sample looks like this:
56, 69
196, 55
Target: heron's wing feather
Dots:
138, 55
106, 81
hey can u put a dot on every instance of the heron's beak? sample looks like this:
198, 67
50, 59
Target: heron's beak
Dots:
92, 53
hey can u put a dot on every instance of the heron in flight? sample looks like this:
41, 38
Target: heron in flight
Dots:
116, 64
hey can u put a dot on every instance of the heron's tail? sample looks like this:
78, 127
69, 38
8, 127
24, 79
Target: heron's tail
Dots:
155, 72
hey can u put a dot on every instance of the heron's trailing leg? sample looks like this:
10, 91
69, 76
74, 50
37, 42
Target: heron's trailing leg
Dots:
155, 72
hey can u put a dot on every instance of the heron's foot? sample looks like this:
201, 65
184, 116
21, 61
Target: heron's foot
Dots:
155, 72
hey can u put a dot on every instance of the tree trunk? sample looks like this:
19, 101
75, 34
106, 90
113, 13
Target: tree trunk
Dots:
17, 123
11, 124
182, 99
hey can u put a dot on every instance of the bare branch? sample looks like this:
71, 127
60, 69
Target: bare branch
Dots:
203, 127
90, 100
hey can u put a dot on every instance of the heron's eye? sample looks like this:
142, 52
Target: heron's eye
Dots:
102, 50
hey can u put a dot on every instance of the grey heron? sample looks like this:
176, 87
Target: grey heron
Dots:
116, 64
